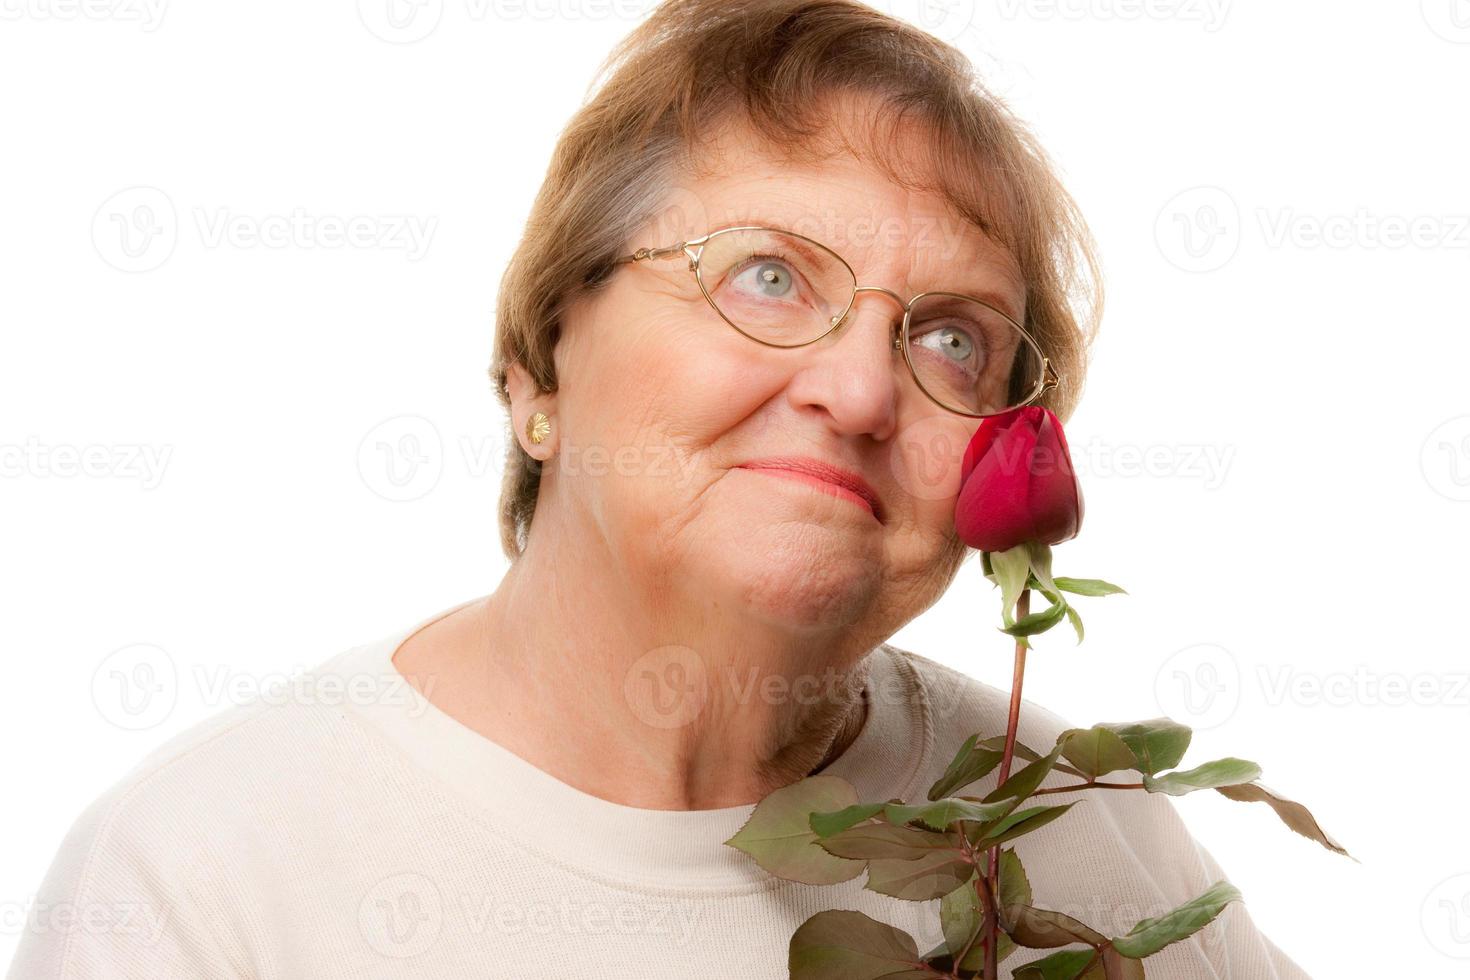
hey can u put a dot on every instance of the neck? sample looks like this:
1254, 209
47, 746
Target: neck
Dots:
636, 693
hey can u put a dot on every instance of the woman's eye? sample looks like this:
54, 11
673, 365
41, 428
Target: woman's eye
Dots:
767, 278
956, 344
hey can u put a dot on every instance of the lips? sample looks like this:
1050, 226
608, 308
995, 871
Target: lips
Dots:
826, 472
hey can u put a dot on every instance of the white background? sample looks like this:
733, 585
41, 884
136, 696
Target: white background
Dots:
1274, 439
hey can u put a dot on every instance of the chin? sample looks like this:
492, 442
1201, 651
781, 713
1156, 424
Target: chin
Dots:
797, 588
775, 560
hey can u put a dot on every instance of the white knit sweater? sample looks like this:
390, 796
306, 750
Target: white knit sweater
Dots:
360, 832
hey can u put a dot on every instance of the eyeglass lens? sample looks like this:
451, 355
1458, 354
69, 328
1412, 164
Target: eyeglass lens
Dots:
786, 290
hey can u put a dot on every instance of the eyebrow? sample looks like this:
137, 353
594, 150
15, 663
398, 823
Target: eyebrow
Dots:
798, 245
965, 286
990, 297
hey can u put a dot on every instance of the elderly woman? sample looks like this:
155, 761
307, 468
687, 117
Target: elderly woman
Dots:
721, 498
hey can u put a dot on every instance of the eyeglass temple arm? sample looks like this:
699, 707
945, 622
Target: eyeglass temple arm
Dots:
651, 253
1050, 378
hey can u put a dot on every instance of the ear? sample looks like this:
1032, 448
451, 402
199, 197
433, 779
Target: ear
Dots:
525, 401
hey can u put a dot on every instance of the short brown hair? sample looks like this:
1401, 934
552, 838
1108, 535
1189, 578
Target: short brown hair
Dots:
772, 64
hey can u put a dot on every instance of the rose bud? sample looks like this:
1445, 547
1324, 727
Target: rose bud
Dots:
1017, 483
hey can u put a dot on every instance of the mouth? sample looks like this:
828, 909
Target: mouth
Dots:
824, 476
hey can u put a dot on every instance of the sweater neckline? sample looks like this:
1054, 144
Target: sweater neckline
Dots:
660, 849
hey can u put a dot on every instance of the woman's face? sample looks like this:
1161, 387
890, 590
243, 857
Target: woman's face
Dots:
662, 409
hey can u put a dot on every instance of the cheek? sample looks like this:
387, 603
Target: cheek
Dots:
925, 457
647, 399
688, 379
922, 559
622, 383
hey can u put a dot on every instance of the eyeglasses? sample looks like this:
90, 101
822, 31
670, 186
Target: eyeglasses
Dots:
782, 289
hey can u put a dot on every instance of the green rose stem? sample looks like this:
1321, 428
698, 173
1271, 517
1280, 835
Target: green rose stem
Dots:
1013, 718
988, 924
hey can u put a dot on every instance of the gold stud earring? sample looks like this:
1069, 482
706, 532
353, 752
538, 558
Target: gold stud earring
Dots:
538, 427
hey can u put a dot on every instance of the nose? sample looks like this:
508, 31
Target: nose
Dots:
881, 289
858, 382
897, 322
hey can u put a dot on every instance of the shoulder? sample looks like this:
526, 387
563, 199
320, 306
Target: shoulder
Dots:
282, 735
220, 765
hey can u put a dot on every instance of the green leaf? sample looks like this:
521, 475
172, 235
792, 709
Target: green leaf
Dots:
1067, 964
1211, 775
996, 743
1096, 751
1293, 814
1151, 935
1088, 586
1011, 568
1044, 929
1075, 619
1018, 824
844, 945
1040, 555
1024, 782
1157, 744
941, 813
1019, 749
959, 916
869, 841
1042, 581
971, 763
931, 876
827, 824
1015, 887
778, 833
1037, 622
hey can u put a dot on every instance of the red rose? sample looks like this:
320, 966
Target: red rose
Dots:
1017, 483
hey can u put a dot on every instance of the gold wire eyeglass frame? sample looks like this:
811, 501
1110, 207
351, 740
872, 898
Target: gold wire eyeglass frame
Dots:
1048, 378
